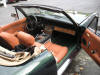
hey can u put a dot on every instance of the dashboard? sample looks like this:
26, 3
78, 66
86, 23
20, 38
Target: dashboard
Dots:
47, 26
65, 30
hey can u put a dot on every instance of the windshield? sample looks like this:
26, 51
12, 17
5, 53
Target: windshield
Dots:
46, 14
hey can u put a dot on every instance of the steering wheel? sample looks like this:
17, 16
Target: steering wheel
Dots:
31, 22
33, 26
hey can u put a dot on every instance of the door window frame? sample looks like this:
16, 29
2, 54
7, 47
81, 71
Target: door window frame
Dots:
95, 25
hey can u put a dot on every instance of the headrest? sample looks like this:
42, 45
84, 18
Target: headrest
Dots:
10, 39
25, 39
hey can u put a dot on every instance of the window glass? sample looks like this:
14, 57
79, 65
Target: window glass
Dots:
20, 15
46, 14
93, 25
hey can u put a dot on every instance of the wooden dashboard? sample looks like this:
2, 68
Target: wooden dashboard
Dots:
68, 31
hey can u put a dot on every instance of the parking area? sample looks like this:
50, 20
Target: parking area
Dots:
82, 64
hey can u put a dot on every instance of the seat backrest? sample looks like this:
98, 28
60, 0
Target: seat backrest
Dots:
8, 40
25, 38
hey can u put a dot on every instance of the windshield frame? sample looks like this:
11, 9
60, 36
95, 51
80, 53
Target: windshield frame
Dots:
44, 7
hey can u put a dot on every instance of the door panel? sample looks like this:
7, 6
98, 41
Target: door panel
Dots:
91, 44
13, 27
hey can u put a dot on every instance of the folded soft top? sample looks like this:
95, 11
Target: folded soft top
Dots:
10, 58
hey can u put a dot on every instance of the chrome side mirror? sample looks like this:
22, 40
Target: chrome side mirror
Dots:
14, 15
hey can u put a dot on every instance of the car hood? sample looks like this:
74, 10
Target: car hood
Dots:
78, 17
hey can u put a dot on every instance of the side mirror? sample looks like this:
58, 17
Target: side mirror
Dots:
14, 15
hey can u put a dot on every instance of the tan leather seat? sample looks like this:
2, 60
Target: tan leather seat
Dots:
25, 38
8, 40
58, 51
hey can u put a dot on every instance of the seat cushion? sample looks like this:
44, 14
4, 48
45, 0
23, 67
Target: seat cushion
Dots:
8, 40
25, 38
58, 51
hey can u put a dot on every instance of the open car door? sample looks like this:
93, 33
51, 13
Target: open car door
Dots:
91, 44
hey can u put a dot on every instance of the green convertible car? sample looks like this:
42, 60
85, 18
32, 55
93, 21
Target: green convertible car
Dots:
45, 39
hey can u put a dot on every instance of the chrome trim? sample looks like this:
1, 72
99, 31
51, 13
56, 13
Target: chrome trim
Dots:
63, 67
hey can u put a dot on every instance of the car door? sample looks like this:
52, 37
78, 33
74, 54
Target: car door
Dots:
90, 42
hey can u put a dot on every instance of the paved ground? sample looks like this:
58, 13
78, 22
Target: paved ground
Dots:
82, 64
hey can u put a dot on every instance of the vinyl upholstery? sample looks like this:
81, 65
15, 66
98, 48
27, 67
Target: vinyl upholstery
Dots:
18, 38
58, 51
92, 44
25, 38
28, 40
18, 25
9, 38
